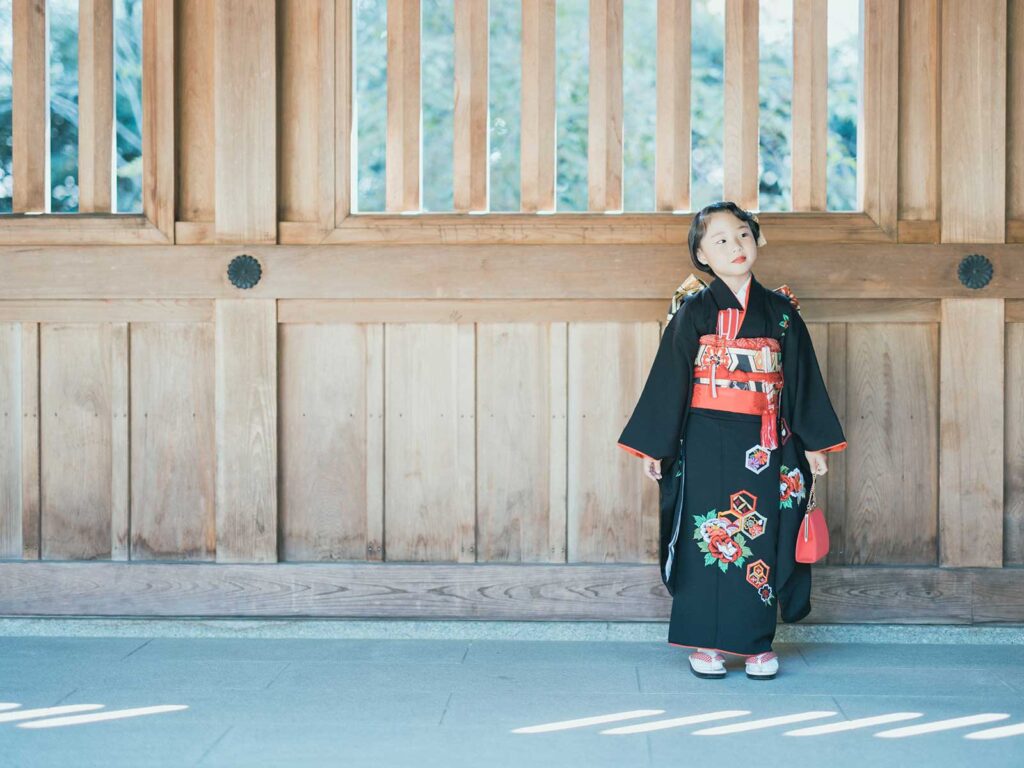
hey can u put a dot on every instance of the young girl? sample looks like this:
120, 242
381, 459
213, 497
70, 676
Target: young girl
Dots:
733, 422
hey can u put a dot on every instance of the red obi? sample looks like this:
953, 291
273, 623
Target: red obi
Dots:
742, 376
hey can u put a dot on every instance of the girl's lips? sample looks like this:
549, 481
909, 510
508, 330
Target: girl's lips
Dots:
738, 259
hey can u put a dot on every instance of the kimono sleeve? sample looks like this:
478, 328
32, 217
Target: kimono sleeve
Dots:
653, 430
812, 417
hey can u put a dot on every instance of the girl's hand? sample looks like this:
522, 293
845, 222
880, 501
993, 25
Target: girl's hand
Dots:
819, 466
652, 468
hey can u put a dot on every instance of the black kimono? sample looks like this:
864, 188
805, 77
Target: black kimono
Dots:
730, 507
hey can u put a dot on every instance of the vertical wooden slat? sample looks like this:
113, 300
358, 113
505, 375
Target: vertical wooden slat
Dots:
158, 108
537, 98
343, 138
878, 138
1013, 515
741, 104
306, 113
1015, 110
604, 131
194, 115
30, 527
558, 345
375, 441
119, 445
974, 121
246, 414
971, 433
465, 467
810, 104
30, 107
403, 140
470, 132
10, 440
672, 172
834, 365
919, 110
95, 106
245, 120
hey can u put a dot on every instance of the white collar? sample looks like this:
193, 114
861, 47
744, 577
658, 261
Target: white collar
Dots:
741, 295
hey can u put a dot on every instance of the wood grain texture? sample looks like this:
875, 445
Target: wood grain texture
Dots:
810, 104
470, 163
30, 112
159, 107
245, 121
604, 126
892, 418
672, 133
246, 419
343, 109
120, 449
878, 138
742, 51
1013, 449
173, 470
537, 154
919, 86
402, 162
10, 440
906, 595
77, 466
974, 121
612, 513
30, 479
971, 433
429, 464
1014, 114
194, 46
95, 106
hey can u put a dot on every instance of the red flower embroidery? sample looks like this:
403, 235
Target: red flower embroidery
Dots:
722, 546
790, 485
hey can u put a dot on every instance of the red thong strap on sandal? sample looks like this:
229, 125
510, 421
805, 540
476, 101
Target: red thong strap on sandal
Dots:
761, 657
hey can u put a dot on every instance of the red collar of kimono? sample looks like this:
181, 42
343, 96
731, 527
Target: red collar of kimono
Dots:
731, 312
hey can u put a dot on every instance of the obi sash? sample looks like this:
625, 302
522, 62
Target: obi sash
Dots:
742, 376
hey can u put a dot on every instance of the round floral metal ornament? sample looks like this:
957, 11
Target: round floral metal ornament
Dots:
244, 271
975, 271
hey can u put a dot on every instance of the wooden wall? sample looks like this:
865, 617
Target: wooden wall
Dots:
417, 415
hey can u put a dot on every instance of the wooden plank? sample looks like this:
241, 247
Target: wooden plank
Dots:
120, 464
741, 115
343, 104
919, 84
246, 418
892, 500
306, 113
402, 161
323, 401
878, 137
108, 311
810, 104
973, 121
537, 153
607, 510
374, 367
470, 163
578, 271
194, 118
428, 498
604, 128
971, 433
1015, 119
30, 113
30, 481
10, 440
558, 347
672, 171
245, 121
464, 507
620, 592
919, 231
60, 229
75, 440
96, 106
513, 479
159, 110
1013, 455
172, 441
831, 346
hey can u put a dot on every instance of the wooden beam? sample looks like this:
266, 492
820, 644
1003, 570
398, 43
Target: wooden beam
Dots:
810, 104
195, 179
343, 89
96, 192
158, 115
470, 130
971, 432
604, 129
30, 480
974, 121
578, 592
403, 183
30, 130
742, 175
246, 416
245, 121
878, 137
919, 84
672, 169
1015, 119
537, 155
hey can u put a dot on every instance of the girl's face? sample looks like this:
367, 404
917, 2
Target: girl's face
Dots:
728, 245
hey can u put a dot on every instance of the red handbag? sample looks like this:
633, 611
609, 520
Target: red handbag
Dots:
812, 541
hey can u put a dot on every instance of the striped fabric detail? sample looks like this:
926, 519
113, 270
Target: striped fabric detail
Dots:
729, 322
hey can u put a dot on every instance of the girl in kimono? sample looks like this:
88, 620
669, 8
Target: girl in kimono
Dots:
733, 423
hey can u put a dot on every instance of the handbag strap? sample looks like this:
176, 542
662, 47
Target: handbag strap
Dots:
810, 506
810, 499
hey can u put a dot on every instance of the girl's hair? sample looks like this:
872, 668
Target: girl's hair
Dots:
698, 228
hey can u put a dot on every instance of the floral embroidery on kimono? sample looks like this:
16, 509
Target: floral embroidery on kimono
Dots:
791, 486
721, 541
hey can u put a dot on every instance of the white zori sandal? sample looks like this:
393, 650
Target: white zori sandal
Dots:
763, 666
707, 663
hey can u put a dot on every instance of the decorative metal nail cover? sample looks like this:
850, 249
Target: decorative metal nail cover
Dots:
244, 271
975, 271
